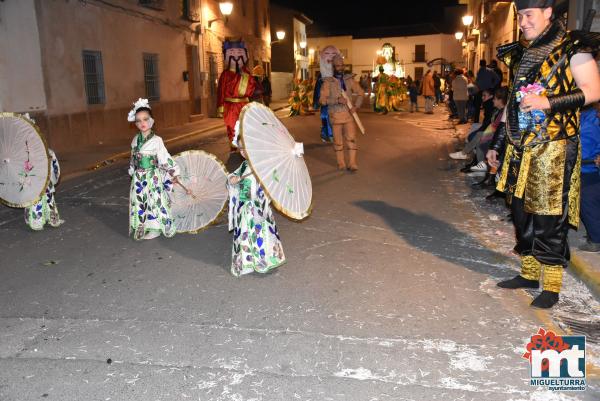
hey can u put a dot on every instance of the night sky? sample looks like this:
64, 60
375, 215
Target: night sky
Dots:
344, 17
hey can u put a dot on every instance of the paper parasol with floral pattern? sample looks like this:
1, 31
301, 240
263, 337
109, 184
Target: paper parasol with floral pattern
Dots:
24, 161
276, 160
206, 177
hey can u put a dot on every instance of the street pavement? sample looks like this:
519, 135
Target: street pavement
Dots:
388, 292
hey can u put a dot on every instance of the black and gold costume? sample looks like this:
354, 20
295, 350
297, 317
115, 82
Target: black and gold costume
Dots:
541, 169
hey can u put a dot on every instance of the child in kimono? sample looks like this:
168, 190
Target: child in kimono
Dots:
256, 242
153, 173
44, 211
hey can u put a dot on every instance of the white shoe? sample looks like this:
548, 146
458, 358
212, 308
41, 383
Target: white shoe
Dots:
458, 155
481, 166
476, 174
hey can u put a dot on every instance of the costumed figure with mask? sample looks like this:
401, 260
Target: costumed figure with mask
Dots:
236, 84
153, 173
382, 93
256, 242
340, 115
295, 100
553, 74
326, 71
45, 211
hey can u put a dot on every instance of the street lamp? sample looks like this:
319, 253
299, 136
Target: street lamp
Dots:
226, 8
467, 20
302, 44
458, 35
280, 36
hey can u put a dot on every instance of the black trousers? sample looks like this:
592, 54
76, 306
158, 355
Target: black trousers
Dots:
477, 100
541, 236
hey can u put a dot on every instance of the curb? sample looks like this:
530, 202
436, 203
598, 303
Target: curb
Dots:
123, 155
589, 275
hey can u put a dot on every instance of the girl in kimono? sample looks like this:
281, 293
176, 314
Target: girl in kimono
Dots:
45, 211
153, 173
256, 242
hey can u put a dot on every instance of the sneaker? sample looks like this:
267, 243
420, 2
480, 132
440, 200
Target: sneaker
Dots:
481, 166
590, 246
458, 155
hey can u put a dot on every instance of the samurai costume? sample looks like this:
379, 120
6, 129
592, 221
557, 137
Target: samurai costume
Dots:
344, 127
45, 211
236, 84
541, 169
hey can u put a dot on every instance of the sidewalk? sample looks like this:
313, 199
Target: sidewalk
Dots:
585, 265
83, 160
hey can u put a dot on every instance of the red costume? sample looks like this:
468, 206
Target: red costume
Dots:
236, 85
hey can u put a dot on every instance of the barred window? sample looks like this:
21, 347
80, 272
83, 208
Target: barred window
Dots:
151, 77
155, 4
93, 76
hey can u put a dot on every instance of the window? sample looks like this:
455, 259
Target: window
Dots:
151, 78
418, 73
420, 54
93, 76
189, 10
155, 4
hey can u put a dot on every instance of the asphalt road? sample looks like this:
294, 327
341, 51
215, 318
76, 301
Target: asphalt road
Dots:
388, 293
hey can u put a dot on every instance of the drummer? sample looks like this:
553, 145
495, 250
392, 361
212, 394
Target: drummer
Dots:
256, 242
45, 211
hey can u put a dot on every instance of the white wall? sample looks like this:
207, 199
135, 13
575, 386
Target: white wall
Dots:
281, 84
21, 79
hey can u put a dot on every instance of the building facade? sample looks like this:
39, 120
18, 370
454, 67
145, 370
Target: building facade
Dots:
413, 53
290, 55
76, 66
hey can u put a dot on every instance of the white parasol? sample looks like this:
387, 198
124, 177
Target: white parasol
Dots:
24, 161
276, 160
205, 176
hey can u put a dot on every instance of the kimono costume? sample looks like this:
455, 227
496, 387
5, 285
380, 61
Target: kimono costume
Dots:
233, 93
382, 92
256, 243
152, 170
326, 131
541, 169
45, 211
295, 100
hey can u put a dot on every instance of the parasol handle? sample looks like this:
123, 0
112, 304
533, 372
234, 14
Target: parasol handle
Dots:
354, 115
187, 191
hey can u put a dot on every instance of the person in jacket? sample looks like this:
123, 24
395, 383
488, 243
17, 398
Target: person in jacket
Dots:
461, 95
428, 92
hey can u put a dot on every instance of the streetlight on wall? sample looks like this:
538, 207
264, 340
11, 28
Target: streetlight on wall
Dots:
280, 35
302, 44
226, 8
458, 35
467, 20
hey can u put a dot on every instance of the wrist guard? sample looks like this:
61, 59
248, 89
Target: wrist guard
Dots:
569, 101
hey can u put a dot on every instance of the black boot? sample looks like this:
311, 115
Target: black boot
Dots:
495, 195
519, 282
487, 182
547, 299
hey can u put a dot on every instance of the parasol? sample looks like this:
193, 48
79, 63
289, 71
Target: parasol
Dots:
24, 161
276, 159
206, 177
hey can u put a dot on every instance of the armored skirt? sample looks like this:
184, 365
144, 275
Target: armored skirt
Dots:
152, 170
256, 243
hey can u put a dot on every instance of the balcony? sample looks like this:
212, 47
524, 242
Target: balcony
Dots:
419, 57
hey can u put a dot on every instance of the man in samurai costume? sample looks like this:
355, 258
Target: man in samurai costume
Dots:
326, 70
236, 84
336, 93
552, 75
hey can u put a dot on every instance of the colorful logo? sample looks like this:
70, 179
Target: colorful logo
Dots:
557, 362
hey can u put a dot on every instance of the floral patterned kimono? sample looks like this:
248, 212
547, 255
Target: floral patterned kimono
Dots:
152, 170
256, 243
45, 211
